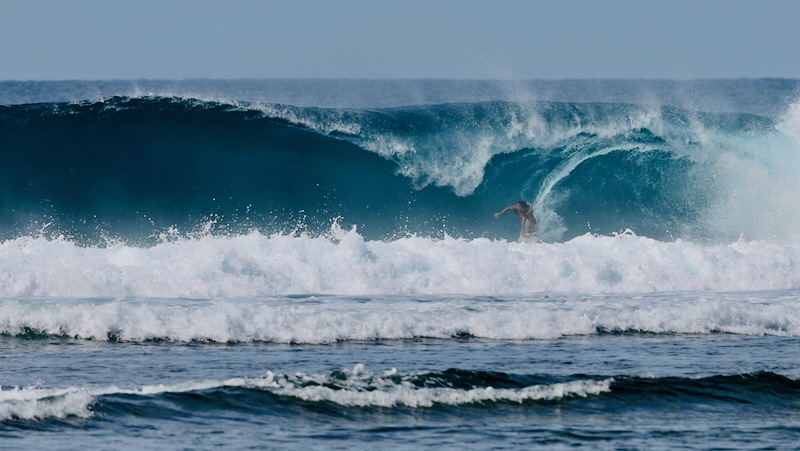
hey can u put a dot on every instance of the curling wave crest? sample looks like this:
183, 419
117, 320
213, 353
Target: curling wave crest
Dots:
661, 171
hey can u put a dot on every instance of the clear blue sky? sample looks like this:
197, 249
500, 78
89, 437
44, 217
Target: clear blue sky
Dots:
179, 39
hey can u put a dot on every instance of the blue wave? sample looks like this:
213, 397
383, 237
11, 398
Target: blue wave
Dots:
344, 393
132, 168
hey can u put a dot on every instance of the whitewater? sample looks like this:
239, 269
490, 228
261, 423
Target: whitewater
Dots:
317, 264
255, 265
327, 319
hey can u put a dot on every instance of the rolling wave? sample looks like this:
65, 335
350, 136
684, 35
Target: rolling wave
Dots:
272, 393
133, 168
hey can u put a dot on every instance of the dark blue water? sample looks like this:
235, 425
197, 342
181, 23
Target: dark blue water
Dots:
285, 264
654, 392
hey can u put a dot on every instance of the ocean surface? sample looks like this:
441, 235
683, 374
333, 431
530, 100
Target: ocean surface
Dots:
252, 264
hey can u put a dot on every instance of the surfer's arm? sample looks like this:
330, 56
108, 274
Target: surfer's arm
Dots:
497, 215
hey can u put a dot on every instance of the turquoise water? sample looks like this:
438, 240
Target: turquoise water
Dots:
284, 264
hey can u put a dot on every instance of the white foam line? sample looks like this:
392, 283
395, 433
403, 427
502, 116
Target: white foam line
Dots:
331, 319
358, 390
427, 397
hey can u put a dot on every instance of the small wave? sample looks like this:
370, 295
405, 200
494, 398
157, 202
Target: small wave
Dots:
350, 388
359, 388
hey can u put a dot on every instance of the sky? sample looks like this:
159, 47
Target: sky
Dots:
389, 39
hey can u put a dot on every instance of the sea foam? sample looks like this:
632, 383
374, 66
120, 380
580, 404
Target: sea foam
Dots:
328, 319
34, 403
254, 265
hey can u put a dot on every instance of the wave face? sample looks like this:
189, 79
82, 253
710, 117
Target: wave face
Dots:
134, 168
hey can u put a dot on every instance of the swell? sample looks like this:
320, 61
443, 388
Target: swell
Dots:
365, 393
132, 168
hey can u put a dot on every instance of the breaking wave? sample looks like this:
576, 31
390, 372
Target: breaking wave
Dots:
132, 168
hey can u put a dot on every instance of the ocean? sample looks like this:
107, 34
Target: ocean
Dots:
316, 264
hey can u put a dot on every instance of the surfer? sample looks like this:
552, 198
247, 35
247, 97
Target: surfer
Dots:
524, 210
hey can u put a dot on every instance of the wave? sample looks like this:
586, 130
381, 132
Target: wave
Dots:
328, 319
132, 168
360, 389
